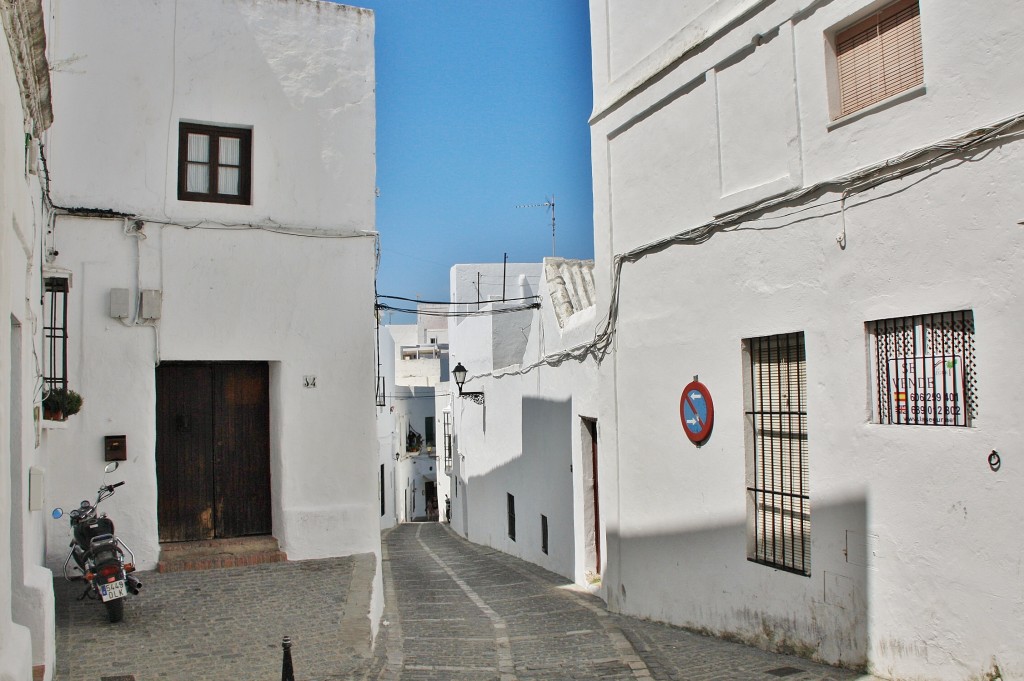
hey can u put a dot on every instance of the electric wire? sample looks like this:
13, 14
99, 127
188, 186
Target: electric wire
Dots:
856, 182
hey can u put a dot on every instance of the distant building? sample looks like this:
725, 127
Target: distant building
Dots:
523, 478
420, 380
813, 209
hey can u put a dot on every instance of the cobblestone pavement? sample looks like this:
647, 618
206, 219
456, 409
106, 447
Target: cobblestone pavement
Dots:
456, 610
222, 625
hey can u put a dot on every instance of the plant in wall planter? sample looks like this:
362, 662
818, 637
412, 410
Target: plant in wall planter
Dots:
61, 403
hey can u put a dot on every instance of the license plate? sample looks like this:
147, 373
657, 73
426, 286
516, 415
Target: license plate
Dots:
114, 590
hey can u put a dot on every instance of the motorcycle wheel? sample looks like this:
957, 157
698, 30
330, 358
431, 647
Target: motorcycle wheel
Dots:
115, 609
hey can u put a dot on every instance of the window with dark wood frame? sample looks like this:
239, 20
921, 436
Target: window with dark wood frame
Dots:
214, 163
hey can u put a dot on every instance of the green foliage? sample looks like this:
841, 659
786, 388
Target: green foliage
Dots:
67, 402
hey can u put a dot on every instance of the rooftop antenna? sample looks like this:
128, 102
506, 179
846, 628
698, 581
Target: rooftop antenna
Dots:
551, 205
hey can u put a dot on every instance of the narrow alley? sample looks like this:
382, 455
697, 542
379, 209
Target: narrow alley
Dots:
458, 610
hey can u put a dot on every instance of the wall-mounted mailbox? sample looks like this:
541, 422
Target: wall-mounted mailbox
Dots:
115, 448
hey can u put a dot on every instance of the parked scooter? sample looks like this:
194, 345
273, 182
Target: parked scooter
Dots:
99, 554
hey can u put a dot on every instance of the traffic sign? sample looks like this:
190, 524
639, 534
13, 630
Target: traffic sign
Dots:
696, 411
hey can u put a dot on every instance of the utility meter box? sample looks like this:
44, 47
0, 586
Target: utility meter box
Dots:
36, 489
150, 303
119, 308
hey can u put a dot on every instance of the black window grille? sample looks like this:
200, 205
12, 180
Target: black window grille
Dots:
777, 474
447, 442
55, 333
382, 497
924, 368
544, 533
511, 502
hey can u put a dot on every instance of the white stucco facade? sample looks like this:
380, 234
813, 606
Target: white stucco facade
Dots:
528, 441
275, 282
704, 109
26, 592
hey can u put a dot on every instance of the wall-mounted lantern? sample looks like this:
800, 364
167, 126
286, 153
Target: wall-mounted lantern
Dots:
459, 372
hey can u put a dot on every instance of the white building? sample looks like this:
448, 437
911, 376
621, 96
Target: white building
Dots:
420, 361
524, 447
814, 208
173, 248
26, 591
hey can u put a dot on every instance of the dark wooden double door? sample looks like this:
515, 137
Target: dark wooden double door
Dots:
212, 450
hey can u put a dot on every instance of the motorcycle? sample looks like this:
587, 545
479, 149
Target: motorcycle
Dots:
99, 554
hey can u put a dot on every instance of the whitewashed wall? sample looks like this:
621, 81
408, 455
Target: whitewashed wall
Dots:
26, 592
301, 74
913, 559
526, 440
388, 439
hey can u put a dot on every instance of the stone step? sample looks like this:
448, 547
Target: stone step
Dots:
209, 554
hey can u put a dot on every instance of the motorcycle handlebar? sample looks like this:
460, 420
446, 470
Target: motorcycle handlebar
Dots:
116, 484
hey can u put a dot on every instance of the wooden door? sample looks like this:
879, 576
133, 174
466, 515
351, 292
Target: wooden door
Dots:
213, 450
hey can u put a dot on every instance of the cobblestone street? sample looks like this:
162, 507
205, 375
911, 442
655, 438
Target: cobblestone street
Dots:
455, 611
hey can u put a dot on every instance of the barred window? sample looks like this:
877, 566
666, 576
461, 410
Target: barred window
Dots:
778, 502
55, 333
924, 369
447, 441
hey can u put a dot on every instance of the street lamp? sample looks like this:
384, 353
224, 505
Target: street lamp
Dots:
459, 372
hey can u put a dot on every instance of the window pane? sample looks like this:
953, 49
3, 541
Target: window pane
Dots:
198, 148
229, 151
227, 181
198, 178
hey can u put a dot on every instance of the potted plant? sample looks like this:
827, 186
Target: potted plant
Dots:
61, 403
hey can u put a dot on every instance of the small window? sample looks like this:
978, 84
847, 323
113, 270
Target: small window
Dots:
778, 500
924, 370
878, 57
55, 333
511, 503
447, 442
214, 163
544, 534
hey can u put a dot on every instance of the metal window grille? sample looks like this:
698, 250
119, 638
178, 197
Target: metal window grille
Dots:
55, 333
880, 56
778, 490
924, 368
544, 534
447, 442
511, 502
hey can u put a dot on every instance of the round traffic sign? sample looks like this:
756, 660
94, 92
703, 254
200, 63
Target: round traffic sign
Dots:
696, 411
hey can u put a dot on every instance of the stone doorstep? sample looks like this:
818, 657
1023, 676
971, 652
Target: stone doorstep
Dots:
219, 553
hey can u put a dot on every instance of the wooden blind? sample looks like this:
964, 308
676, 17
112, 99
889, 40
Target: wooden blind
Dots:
880, 56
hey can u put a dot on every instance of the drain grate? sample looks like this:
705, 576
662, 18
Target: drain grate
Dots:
784, 671
124, 677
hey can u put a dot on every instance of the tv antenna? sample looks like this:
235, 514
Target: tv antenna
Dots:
547, 204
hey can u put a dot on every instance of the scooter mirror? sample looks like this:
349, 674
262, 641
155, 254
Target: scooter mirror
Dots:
57, 512
110, 467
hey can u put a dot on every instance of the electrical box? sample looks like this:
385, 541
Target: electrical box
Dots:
149, 306
36, 488
119, 308
115, 448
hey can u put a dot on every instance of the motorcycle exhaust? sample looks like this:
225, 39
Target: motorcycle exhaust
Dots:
133, 585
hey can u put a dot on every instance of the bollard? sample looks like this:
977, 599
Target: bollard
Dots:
287, 673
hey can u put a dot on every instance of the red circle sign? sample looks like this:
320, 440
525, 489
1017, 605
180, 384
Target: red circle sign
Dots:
696, 412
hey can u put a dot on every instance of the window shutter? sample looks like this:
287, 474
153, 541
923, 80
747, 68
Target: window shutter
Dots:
880, 56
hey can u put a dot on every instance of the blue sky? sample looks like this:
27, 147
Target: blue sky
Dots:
481, 105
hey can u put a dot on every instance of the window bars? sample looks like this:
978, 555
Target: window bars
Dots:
55, 334
924, 369
777, 474
447, 442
